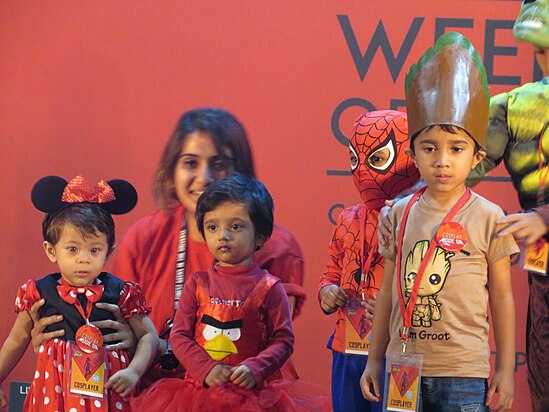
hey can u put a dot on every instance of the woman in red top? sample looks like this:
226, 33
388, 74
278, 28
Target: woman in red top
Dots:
161, 250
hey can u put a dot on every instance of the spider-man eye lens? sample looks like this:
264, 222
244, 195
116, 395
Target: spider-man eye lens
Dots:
383, 157
353, 157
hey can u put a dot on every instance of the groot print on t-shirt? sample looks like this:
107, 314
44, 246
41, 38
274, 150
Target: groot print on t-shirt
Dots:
426, 309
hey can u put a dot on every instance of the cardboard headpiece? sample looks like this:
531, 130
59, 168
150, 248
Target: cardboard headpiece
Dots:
53, 193
448, 86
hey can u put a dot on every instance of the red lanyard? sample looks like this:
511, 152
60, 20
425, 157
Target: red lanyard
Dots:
85, 314
365, 268
543, 173
406, 310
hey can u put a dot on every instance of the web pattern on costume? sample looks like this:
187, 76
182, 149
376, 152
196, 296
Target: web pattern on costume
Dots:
347, 235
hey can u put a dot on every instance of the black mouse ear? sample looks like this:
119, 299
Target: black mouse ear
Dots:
47, 192
126, 197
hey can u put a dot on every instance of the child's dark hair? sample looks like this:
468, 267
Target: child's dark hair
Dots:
448, 128
88, 218
239, 189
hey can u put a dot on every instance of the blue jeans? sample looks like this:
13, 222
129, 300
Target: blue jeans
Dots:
453, 394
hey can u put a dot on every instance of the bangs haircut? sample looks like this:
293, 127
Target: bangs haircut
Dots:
89, 218
448, 128
243, 190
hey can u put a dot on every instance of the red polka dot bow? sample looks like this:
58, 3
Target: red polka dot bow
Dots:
69, 293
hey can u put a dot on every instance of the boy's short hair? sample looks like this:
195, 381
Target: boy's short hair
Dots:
88, 218
239, 189
448, 128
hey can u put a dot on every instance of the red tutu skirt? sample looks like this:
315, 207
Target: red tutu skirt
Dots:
181, 395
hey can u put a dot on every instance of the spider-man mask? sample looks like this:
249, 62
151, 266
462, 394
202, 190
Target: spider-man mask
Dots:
381, 170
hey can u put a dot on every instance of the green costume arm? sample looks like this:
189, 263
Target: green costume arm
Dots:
496, 140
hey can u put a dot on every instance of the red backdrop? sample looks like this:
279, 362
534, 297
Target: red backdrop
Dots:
95, 88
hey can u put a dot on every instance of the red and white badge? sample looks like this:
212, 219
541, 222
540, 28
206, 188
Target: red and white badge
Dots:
451, 236
89, 338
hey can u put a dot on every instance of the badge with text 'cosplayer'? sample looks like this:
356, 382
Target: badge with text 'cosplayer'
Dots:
87, 371
535, 257
358, 329
89, 338
451, 236
402, 380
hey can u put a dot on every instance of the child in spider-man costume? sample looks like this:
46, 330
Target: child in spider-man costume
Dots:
380, 170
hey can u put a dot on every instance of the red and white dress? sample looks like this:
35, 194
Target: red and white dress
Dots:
48, 391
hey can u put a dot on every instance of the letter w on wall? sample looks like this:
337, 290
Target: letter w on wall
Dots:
379, 40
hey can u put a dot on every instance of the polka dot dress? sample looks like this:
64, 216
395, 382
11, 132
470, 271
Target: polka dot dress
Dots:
49, 389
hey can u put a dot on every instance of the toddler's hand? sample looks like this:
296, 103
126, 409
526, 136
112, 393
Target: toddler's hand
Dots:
123, 382
331, 298
219, 375
242, 376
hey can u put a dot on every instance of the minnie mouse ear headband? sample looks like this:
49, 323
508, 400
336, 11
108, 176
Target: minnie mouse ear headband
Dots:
53, 193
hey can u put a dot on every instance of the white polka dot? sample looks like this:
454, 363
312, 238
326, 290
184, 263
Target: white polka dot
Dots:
36, 375
60, 368
118, 405
58, 389
46, 400
97, 404
41, 349
44, 390
115, 354
74, 409
33, 400
17, 301
55, 364
82, 402
55, 340
47, 374
123, 359
24, 287
49, 351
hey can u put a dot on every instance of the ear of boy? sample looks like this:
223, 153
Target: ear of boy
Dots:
50, 251
477, 158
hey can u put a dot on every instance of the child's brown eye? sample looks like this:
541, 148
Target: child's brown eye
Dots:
353, 157
379, 158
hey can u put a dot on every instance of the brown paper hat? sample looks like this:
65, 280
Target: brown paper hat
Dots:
448, 86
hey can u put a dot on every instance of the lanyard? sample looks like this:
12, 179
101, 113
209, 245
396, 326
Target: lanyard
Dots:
543, 169
85, 314
180, 262
406, 310
365, 268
